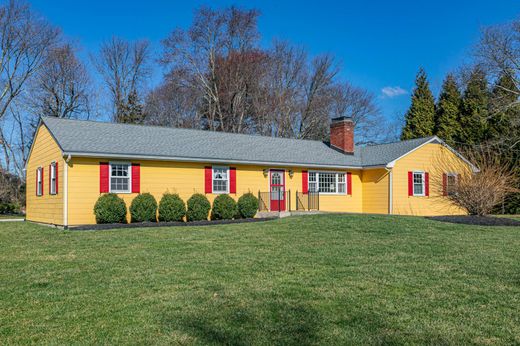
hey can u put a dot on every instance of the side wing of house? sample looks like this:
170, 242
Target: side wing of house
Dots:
187, 178
44, 176
420, 178
376, 191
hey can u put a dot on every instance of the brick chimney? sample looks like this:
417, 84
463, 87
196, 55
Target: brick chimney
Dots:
342, 135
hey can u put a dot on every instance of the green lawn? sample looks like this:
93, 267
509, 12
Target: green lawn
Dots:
323, 279
17, 216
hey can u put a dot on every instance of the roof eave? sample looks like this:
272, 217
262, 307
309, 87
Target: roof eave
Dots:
203, 160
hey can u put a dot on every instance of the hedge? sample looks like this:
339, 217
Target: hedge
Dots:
247, 205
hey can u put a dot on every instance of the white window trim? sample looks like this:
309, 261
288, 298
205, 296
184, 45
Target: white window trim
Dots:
129, 164
337, 182
212, 180
39, 182
52, 185
423, 184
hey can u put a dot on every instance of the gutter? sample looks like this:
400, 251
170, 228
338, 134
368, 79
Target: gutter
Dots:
390, 190
203, 160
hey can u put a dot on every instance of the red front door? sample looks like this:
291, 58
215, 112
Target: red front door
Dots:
277, 190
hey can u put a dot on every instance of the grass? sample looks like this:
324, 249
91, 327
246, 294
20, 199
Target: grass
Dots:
323, 279
13, 216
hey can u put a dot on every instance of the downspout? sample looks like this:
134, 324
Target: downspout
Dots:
390, 190
66, 192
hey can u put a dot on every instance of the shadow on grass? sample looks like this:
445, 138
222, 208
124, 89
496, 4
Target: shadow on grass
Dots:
240, 323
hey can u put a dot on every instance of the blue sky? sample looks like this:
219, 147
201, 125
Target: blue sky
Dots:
380, 44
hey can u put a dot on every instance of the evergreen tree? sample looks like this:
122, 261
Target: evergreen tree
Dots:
420, 117
474, 113
131, 111
447, 111
505, 112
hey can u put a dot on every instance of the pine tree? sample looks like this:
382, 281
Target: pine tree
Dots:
131, 112
447, 111
420, 117
474, 113
505, 113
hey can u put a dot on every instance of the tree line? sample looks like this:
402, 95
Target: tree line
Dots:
216, 76
477, 108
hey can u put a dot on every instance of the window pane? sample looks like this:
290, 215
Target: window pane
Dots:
341, 187
418, 187
327, 182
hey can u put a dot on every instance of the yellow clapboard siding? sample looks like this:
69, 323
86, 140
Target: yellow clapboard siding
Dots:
47, 208
436, 160
375, 191
157, 177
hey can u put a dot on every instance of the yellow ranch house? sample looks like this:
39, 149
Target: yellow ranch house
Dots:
73, 162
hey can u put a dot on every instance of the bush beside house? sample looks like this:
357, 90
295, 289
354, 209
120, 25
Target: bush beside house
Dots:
247, 205
171, 208
110, 208
224, 208
198, 208
144, 208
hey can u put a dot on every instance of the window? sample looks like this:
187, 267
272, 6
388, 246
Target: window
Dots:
418, 183
327, 182
120, 177
220, 180
52, 175
451, 183
39, 182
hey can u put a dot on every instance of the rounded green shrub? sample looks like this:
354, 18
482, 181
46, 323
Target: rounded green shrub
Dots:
110, 208
247, 205
144, 208
224, 208
171, 208
198, 208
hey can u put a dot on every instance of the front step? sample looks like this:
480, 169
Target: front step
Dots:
283, 214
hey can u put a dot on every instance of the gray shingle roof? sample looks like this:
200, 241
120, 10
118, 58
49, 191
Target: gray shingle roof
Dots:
92, 138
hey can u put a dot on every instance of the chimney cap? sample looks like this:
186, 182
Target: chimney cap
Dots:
342, 118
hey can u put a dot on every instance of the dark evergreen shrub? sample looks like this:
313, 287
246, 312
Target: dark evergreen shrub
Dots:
247, 205
198, 208
224, 208
144, 208
110, 208
171, 208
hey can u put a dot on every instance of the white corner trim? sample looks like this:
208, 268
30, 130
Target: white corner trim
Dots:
65, 194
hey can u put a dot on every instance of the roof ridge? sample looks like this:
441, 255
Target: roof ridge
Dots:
180, 128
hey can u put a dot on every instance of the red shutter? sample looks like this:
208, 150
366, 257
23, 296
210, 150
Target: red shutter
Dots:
349, 183
37, 169
56, 172
444, 184
305, 182
426, 184
208, 173
136, 178
232, 180
103, 177
50, 181
410, 183
42, 170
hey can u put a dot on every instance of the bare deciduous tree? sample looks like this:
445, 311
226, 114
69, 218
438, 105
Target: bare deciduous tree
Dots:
124, 68
61, 86
478, 193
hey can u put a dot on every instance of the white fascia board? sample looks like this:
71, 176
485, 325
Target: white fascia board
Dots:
203, 160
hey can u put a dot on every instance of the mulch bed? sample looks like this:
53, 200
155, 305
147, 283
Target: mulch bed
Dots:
477, 220
166, 224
